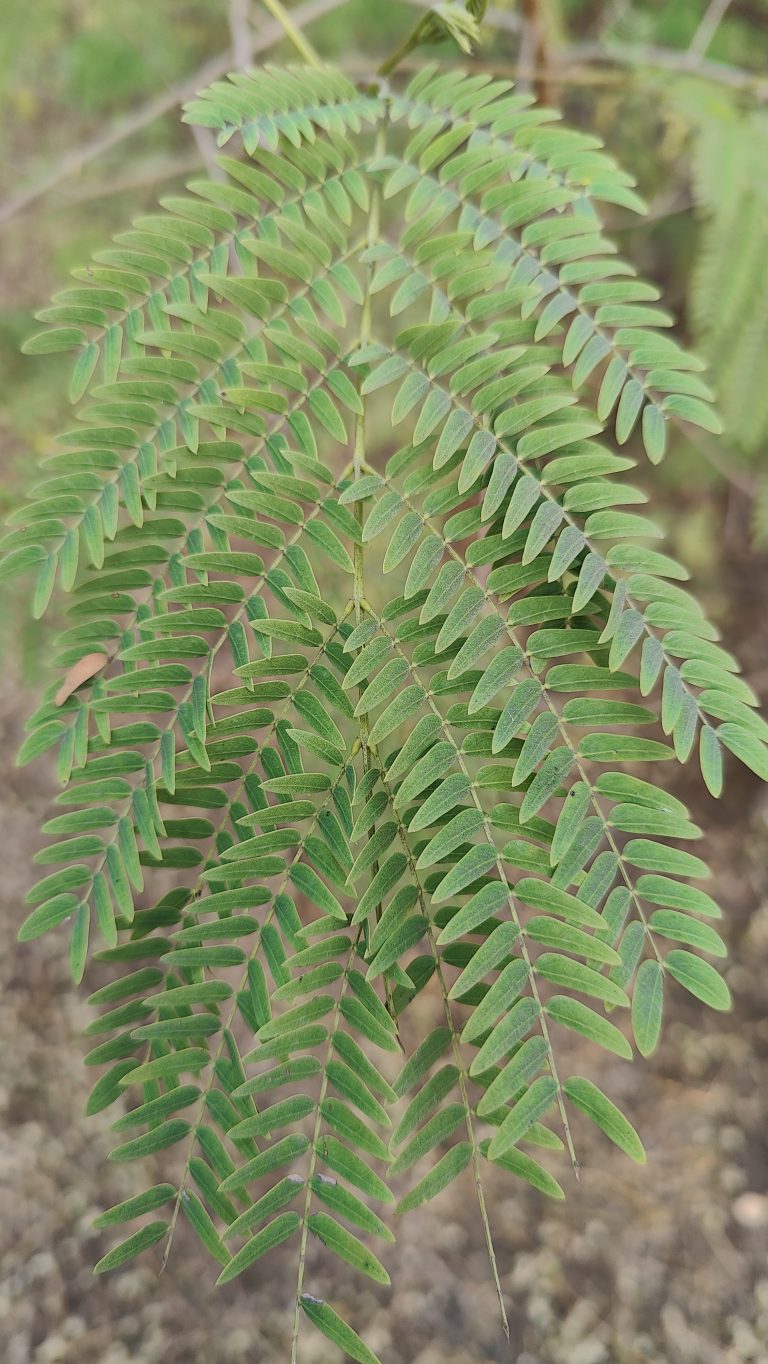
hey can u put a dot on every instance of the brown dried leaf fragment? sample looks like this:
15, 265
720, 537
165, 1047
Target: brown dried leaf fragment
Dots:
85, 668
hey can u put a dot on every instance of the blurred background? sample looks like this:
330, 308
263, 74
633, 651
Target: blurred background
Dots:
664, 1264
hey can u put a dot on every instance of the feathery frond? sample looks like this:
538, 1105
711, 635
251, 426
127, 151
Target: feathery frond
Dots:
374, 721
729, 288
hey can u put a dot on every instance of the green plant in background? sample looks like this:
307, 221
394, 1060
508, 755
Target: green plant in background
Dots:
731, 317
729, 288
332, 734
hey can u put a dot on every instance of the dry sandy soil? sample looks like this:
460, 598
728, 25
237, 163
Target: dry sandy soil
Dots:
665, 1263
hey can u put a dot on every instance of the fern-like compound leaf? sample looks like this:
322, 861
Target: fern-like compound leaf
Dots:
335, 732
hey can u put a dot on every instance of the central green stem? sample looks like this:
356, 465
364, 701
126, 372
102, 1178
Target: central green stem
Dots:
358, 583
403, 51
358, 594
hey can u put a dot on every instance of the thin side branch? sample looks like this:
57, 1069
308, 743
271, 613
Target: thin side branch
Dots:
702, 38
242, 33
206, 145
535, 48
668, 59
137, 176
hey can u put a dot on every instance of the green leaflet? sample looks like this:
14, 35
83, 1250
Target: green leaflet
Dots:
444, 1172
647, 1006
573, 975
425, 1102
204, 1227
273, 1158
699, 978
540, 895
322, 1315
481, 907
512, 1029
669, 923
528, 1059
158, 1139
606, 1115
493, 951
536, 1101
343, 1201
525, 1168
307, 880
605, 748
571, 1013
500, 997
135, 1207
347, 1246
499, 672
337, 1156
519, 706
437, 1129
350, 1086
270, 1236
569, 939
546, 781
133, 1245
